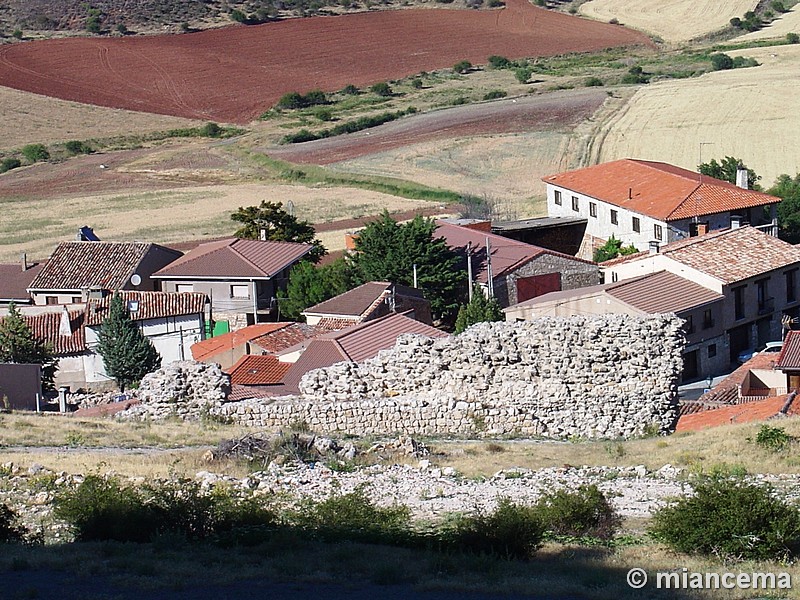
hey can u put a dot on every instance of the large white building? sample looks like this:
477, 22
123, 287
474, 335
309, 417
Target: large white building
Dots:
640, 202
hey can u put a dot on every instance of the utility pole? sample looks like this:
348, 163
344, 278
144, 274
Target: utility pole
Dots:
415, 276
469, 270
489, 276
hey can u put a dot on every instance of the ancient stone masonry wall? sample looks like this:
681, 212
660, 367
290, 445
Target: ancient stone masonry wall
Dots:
606, 376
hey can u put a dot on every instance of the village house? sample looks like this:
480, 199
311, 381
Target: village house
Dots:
79, 270
756, 273
15, 279
370, 301
242, 277
660, 292
518, 270
640, 201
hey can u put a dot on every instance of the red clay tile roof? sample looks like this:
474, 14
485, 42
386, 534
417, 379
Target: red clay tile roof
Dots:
14, 282
258, 370
662, 292
356, 343
507, 254
728, 255
234, 258
47, 327
761, 410
658, 190
361, 302
109, 265
152, 305
205, 349
290, 335
789, 357
727, 390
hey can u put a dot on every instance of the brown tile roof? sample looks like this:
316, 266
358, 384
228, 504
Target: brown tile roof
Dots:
789, 358
205, 349
658, 190
760, 410
290, 335
356, 343
14, 282
361, 302
152, 305
47, 327
233, 258
728, 255
243, 392
79, 265
258, 370
507, 254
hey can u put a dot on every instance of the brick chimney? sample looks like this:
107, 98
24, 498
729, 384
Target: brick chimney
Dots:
702, 228
736, 221
741, 177
24, 261
654, 247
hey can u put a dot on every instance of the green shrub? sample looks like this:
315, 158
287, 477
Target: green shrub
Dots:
743, 61
294, 100
211, 130
462, 66
416, 83
495, 94
350, 90
736, 22
593, 82
730, 518
238, 16
510, 531
381, 89
499, 62
122, 29
304, 135
523, 74
11, 531
778, 6
78, 147
585, 512
9, 163
721, 62
496, 3
793, 38
774, 439
17, 34
35, 153
324, 114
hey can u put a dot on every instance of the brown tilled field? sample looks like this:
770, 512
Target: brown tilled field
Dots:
235, 73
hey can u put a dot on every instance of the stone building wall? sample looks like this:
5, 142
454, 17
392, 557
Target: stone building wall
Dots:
610, 376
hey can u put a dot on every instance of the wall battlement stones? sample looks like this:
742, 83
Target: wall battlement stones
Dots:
607, 377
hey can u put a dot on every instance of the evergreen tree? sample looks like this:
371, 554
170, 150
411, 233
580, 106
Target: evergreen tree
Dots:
478, 310
612, 249
279, 225
388, 251
310, 285
726, 171
127, 354
19, 345
788, 189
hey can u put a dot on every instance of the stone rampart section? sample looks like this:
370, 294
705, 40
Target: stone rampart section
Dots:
610, 376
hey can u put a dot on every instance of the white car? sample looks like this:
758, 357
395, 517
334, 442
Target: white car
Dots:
769, 347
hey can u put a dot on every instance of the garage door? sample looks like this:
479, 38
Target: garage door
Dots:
537, 285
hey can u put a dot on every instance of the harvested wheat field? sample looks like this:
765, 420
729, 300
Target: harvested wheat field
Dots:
235, 73
748, 113
164, 216
673, 21
27, 118
785, 23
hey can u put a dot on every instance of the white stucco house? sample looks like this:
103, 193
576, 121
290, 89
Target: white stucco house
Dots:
640, 201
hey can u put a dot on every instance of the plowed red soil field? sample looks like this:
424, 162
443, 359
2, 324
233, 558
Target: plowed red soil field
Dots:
235, 73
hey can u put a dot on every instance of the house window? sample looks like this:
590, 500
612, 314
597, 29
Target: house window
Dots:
592, 209
689, 326
712, 350
637, 226
558, 197
791, 284
240, 290
76, 299
658, 232
575, 205
184, 287
708, 319
51, 299
765, 303
614, 217
614, 277
738, 301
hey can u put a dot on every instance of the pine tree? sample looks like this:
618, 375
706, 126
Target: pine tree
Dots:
127, 354
19, 345
479, 310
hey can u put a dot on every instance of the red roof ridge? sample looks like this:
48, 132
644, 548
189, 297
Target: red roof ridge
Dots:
200, 251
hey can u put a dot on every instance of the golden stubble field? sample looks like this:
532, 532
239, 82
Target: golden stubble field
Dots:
673, 21
747, 113
786, 23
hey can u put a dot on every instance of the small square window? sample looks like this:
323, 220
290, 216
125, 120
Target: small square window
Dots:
637, 226
658, 232
575, 205
712, 350
592, 209
184, 287
614, 217
558, 197
240, 291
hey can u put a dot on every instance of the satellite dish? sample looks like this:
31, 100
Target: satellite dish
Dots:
136, 279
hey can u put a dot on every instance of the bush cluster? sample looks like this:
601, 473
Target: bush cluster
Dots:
78, 147
749, 22
294, 100
495, 94
723, 62
730, 518
462, 66
9, 163
585, 512
35, 153
304, 135
774, 439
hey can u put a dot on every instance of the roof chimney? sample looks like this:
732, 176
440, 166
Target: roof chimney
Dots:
736, 221
654, 246
65, 325
741, 177
24, 261
262, 234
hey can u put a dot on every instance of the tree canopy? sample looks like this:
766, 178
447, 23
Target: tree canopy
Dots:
388, 251
726, 171
788, 189
279, 226
612, 249
127, 354
478, 310
310, 285
18, 344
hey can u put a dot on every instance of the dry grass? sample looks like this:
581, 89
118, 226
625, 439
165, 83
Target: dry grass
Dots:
747, 113
674, 21
785, 23
29, 118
